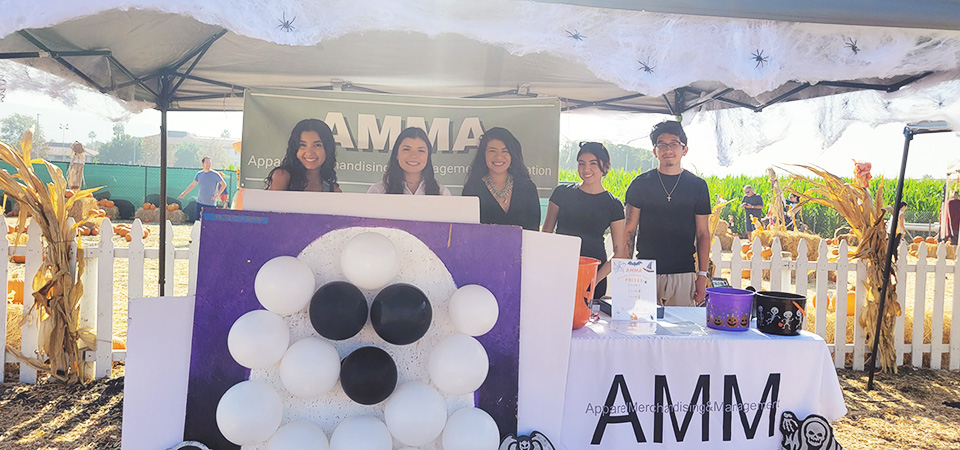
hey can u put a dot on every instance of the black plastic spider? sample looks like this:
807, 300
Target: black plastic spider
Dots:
759, 58
287, 25
940, 102
646, 67
576, 35
852, 45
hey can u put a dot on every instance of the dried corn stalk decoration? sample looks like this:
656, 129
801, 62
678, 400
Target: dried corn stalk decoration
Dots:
777, 219
864, 213
57, 291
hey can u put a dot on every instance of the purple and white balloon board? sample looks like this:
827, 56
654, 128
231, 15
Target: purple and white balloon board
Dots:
319, 331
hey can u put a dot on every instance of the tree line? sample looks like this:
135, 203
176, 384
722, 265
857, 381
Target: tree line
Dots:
121, 148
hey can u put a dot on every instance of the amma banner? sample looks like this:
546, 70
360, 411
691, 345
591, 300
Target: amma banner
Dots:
365, 127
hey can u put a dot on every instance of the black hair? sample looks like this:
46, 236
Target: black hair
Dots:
596, 149
668, 126
478, 168
293, 166
393, 177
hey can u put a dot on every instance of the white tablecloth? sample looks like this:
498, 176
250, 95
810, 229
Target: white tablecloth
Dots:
726, 390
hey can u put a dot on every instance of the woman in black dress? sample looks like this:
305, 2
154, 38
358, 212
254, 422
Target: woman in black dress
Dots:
500, 179
587, 210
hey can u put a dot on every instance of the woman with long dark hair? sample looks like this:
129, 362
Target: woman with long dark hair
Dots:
587, 210
410, 169
500, 179
310, 161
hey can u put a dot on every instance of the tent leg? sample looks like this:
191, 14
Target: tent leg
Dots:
163, 198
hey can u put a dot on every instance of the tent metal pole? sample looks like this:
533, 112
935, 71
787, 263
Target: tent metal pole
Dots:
908, 132
891, 247
164, 105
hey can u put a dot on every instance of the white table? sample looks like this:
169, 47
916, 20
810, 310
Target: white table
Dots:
727, 389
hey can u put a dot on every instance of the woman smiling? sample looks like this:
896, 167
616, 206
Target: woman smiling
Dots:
310, 161
410, 169
587, 210
500, 179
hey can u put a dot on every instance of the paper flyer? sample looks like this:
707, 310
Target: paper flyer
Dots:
633, 289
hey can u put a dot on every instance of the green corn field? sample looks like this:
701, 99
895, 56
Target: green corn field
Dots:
923, 197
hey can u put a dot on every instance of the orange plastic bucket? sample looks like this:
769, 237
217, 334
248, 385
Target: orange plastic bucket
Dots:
586, 278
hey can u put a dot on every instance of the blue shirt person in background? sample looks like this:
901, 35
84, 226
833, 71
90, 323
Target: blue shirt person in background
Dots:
211, 186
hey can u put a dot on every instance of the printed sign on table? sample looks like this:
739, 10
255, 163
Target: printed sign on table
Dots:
633, 287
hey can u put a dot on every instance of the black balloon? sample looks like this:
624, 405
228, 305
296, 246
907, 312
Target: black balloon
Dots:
401, 314
368, 375
338, 310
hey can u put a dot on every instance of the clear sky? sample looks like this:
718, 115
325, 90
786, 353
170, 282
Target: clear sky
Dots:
796, 141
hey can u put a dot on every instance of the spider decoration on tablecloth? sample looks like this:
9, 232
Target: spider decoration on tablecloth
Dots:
575, 35
759, 58
646, 67
940, 102
851, 43
287, 25
536, 441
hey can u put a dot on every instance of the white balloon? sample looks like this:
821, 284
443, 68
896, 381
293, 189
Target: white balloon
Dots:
361, 433
415, 413
258, 339
284, 285
310, 367
369, 260
473, 310
298, 436
249, 412
458, 364
470, 429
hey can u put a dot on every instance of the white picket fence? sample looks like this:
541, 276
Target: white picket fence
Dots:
98, 280
783, 269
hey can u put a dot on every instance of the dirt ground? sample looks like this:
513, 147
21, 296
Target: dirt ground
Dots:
904, 411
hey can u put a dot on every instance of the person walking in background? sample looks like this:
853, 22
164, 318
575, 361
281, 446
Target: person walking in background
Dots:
752, 205
667, 215
953, 211
309, 163
587, 210
211, 186
500, 179
791, 210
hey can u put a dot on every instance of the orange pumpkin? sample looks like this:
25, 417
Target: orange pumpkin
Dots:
931, 240
173, 207
146, 206
745, 248
917, 240
119, 344
745, 273
19, 259
851, 302
767, 252
128, 237
15, 289
108, 204
831, 304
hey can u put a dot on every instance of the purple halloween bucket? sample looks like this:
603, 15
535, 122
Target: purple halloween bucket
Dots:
729, 308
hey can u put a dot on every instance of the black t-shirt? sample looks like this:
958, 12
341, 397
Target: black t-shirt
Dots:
668, 230
524, 204
586, 215
754, 200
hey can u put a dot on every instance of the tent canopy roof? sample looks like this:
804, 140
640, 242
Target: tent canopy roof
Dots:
592, 54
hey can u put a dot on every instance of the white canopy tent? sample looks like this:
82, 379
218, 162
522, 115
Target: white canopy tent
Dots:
668, 57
